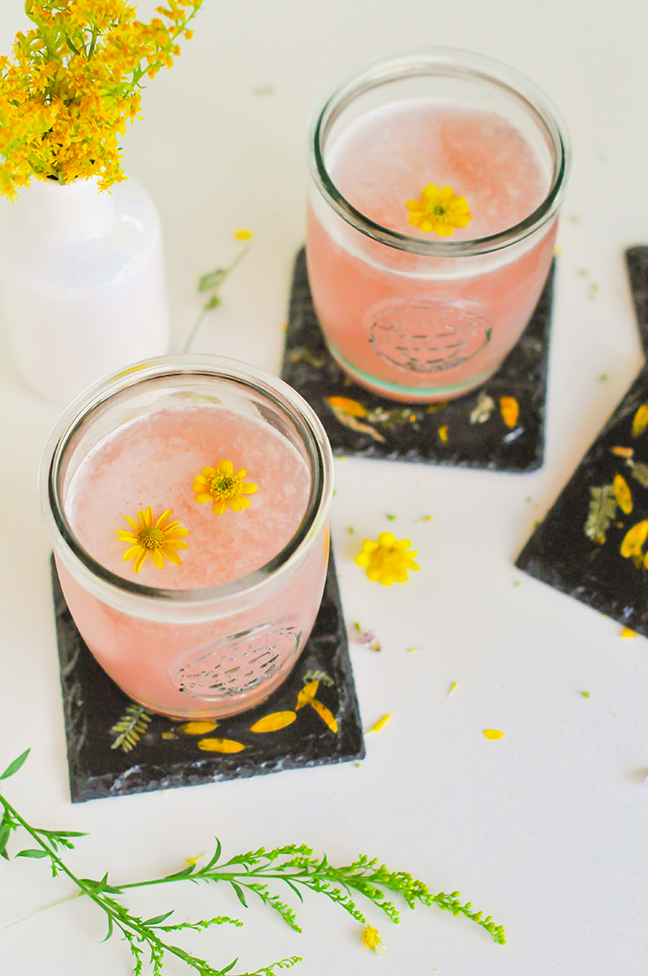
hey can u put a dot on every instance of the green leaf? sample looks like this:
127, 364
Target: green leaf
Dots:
639, 472
32, 853
213, 302
231, 966
5, 831
602, 509
157, 919
215, 858
239, 893
212, 279
62, 833
15, 765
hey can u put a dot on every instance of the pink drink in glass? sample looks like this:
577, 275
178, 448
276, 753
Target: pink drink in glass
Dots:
408, 314
194, 657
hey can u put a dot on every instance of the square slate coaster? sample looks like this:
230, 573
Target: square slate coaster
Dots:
499, 426
162, 755
582, 547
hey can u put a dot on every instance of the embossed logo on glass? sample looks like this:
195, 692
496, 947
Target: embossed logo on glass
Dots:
426, 335
236, 664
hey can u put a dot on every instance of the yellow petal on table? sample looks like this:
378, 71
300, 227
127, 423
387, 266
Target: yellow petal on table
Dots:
493, 734
640, 421
220, 745
627, 632
443, 434
307, 693
510, 410
197, 728
325, 714
622, 494
381, 723
273, 722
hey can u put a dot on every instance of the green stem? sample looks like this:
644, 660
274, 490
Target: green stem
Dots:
46, 908
226, 272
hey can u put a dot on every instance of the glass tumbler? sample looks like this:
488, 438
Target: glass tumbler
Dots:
410, 315
206, 651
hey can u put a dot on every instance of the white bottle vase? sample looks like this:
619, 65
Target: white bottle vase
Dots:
81, 282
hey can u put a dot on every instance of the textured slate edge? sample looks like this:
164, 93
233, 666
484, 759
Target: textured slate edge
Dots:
637, 265
558, 552
87, 690
523, 374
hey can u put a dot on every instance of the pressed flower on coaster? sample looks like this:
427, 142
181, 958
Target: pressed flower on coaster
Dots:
117, 747
592, 543
499, 426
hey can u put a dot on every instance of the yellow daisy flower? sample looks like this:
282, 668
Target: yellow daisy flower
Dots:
386, 561
438, 210
155, 540
223, 487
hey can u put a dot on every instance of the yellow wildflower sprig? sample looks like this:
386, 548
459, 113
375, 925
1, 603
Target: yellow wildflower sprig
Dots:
257, 872
72, 83
438, 210
387, 560
157, 540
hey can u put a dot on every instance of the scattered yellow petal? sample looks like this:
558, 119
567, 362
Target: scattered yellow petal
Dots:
412, 650
273, 722
640, 421
197, 728
220, 745
438, 210
634, 540
624, 452
243, 235
307, 693
443, 433
371, 939
627, 632
622, 494
510, 410
558, 249
325, 714
453, 688
425, 518
194, 860
169, 736
493, 734
387, 561
351, 407
381, 723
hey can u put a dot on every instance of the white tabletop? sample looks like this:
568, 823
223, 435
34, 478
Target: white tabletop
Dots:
544, 829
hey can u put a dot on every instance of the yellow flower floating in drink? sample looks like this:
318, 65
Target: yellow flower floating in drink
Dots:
222, 486
158, 540
438, 210
387, 561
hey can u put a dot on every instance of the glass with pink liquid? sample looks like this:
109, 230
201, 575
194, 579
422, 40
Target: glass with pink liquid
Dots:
408, 314
216, 631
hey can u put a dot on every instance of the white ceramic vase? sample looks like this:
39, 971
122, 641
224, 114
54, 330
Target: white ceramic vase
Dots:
81, 283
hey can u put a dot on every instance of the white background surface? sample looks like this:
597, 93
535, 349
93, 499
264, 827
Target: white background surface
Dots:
544, 829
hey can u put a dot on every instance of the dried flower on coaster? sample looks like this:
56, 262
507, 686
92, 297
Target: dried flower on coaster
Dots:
157, 540
499, 426
224, 487
387, 560
592, 543
438, 210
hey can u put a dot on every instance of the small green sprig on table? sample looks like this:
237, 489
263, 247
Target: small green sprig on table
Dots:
247, 874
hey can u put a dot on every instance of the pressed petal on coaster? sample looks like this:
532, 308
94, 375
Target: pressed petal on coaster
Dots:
593, 543
499, 426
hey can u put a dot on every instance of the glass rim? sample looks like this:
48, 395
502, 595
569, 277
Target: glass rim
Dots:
449, 62
275, 390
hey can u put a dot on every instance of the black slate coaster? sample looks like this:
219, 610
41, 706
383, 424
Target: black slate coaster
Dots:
476, 431
578, 547
164, 756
